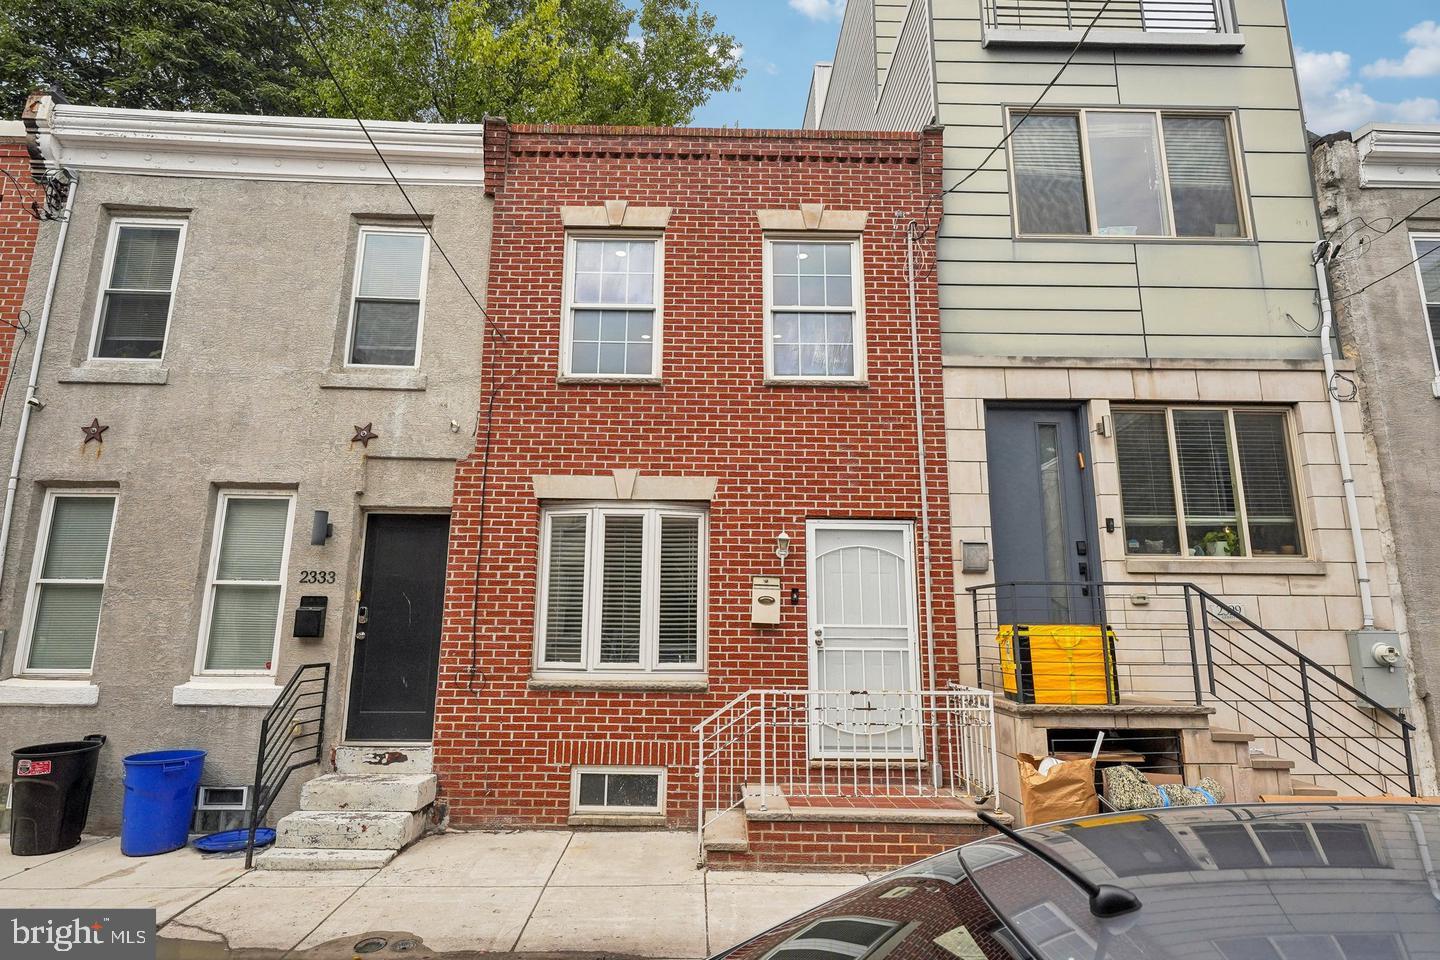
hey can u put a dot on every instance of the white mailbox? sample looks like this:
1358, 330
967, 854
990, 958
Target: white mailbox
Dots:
765, 600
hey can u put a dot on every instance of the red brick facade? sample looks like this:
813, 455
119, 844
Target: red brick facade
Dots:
18, 230
781, 454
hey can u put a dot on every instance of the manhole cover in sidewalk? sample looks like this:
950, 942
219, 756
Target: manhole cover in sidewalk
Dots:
372, 945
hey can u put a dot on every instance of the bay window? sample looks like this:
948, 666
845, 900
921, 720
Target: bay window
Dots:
621, 589
1207, 482
1126, 173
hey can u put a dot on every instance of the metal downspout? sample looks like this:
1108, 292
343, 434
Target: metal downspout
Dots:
1342, 447
33, 387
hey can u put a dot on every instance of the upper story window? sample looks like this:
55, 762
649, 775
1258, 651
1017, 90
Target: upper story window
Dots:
389, 298
1127, 173
1207, 482
612, 311
814, 323
142, 262
1427, 252
247, 583
62, 612
622, 589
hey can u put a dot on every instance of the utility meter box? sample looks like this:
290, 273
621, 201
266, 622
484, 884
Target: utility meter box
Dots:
1379, 668
765, 601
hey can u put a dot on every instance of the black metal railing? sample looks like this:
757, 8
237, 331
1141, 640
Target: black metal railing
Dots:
1176, 642
292, 737
1170, 16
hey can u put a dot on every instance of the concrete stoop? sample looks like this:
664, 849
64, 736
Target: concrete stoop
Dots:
376, 805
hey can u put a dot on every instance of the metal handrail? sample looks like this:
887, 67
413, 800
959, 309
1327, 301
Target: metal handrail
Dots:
287, 719
1257, 643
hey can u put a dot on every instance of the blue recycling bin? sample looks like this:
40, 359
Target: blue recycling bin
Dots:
159, 802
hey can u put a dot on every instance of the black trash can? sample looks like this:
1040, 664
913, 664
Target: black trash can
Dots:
52, 783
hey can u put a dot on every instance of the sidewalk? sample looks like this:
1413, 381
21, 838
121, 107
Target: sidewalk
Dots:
527, 892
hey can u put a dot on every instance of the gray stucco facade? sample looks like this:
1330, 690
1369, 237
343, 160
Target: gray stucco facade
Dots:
1371, 185
252, 393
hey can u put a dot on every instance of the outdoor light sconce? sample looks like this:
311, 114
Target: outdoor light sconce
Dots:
782, 546
321, 529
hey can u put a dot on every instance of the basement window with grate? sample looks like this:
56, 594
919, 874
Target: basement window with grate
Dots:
622, 590
1207, 482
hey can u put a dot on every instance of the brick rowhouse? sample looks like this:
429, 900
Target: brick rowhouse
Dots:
19, 227
782, 454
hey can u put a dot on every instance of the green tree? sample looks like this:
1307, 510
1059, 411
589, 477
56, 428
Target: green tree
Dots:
556, 61
233, 56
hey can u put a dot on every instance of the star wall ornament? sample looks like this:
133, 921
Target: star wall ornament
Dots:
94, 430
363, 435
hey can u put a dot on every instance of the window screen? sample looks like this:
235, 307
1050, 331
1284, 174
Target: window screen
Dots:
68, 591
135, 308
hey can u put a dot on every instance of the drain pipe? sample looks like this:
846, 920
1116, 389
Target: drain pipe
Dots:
1342, 447
922, 458
32, 389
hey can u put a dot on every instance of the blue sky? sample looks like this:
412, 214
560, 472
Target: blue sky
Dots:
1372, 60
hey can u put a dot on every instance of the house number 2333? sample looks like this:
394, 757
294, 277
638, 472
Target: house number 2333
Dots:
317, 576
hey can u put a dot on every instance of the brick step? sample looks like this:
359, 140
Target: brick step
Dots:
373, 792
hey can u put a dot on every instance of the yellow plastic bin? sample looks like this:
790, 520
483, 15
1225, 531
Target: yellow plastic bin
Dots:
1058, 663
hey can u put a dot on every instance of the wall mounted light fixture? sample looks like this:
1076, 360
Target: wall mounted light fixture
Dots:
321, 529
782, 546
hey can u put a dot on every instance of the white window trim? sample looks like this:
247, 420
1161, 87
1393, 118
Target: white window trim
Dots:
221, 505
1238, 482
32, 593
1237, 169
367, 231
569, 306
857, 298
1415, 240
649, 666
577, 808
110, 243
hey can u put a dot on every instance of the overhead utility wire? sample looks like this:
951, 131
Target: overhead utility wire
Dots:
1395, 224
1377, 282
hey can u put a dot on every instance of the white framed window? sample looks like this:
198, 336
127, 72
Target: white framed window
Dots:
67, 584
1147, 174
142, 265
1208, 482
814, 309
1426, 249
245, 592
617, 789
614, 291
622, 589
387, 309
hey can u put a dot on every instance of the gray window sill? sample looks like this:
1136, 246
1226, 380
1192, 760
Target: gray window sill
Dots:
1190, 566
686, 684
226, 692
138, 373
570, 378
644, 820
351, 379
33, 692
817, 382
1100, 37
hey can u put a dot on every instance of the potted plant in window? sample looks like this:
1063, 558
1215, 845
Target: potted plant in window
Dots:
1220, 543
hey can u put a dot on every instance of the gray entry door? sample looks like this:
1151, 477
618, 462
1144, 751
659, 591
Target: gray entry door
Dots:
1040, 517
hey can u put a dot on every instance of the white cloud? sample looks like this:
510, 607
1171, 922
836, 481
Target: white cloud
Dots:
820, 9
1421, 60
1333, 101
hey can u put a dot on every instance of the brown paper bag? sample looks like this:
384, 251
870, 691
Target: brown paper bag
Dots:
1069, 790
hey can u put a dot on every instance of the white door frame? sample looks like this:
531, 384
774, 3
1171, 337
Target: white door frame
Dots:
907, 530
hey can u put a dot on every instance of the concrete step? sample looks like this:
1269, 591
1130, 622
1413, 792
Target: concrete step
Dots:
1230, 736
375, 792
352, 830
1311, 790
405, 758
1260, 761
728, 832
314, 858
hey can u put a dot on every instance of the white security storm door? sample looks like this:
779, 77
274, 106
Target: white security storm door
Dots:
863, 665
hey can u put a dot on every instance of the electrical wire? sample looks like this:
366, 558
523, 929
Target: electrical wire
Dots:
1377, 282
1395, 224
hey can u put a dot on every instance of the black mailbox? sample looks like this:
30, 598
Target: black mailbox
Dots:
310, 617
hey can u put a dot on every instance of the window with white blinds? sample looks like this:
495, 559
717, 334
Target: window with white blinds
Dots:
1126, 173
63, 607
622, 588
141, 265
1207, 482
388, 308
612, 311
1427, 254
247, 583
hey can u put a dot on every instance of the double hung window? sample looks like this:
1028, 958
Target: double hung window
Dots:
814, 314
388, 305
247, 583
142, 263
612, 314
68, 584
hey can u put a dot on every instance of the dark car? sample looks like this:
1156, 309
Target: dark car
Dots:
1267, 882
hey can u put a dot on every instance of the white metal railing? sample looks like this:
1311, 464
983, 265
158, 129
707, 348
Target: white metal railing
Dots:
852, 744
1176, 16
